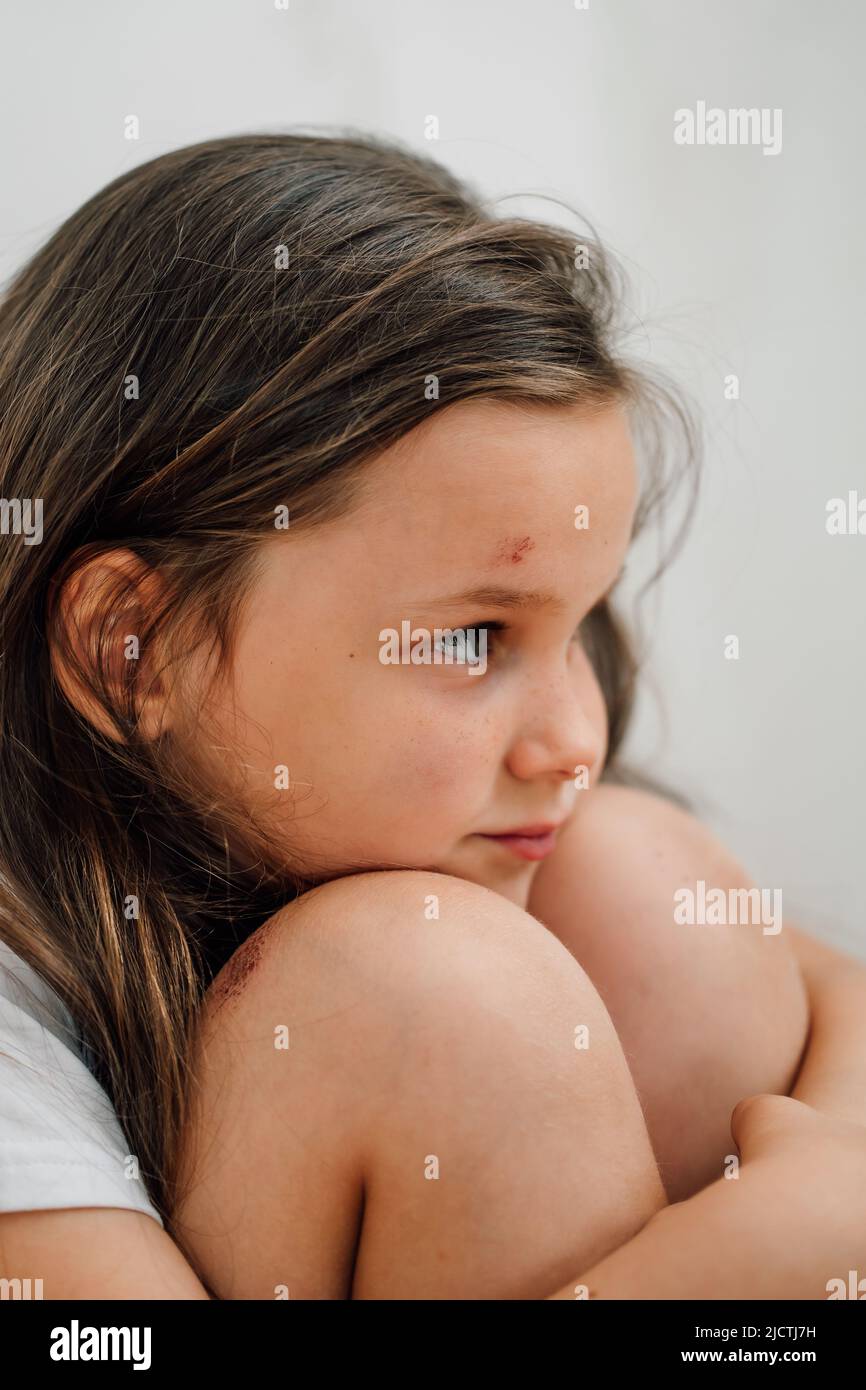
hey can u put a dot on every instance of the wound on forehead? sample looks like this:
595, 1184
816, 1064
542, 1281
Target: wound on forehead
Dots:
513, 549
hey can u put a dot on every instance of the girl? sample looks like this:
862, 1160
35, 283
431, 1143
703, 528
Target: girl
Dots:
311, 833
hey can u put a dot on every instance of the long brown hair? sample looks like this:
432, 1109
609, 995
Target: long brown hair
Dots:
227, 329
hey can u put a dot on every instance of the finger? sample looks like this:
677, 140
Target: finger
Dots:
758, 1121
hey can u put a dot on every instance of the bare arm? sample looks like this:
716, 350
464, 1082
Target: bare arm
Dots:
832, 1075
740, 1238
95, 1252
791, 1222
732, 1240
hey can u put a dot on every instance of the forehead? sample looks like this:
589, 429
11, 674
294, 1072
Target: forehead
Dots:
505, 479
483, 494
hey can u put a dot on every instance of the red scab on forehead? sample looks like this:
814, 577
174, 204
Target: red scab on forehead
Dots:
513, 549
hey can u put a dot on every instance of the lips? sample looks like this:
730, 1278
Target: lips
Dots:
530, 842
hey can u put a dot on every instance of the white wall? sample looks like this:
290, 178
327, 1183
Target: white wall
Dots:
744, 263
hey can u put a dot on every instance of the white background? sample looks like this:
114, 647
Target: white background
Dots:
742, 263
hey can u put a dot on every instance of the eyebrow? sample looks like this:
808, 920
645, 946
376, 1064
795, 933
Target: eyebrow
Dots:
505, 596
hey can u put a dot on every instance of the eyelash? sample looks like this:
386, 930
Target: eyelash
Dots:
498, 628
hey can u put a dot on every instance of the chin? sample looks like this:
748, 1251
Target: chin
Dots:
517, 893
513, 886
511, 880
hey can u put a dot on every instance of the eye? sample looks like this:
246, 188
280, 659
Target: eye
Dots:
464, 645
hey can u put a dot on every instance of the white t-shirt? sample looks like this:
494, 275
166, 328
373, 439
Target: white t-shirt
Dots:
61, 1144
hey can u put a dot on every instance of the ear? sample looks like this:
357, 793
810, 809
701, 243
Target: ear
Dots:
107, 598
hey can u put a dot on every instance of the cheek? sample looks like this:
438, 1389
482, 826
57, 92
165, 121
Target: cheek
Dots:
447, 752
439, 763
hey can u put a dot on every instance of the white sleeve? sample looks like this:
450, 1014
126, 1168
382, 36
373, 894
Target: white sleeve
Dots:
61, 1144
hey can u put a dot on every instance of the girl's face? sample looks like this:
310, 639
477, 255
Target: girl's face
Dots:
468, 520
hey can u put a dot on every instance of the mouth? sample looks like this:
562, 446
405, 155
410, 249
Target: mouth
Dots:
532, 842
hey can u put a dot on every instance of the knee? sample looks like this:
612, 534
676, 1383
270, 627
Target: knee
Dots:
422, 961
732, 998
478, 999
472, 1019
433, 1021
415, 938
486, 1059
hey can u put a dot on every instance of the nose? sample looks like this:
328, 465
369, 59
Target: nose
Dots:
558, 734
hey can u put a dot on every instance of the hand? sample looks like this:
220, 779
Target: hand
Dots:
808, 1170
792, 1225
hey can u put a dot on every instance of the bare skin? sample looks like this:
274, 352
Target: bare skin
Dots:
95, 1253
431, 1130
791, 1225
414, 765
706, 1014
387, 1001
417, 1041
